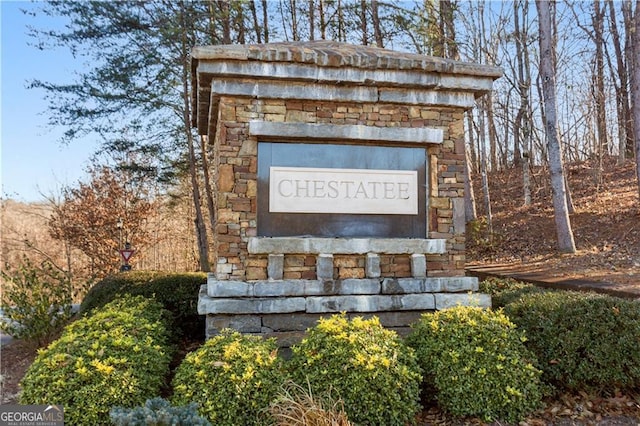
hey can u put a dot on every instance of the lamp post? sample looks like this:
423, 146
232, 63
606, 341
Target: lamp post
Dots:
120, 225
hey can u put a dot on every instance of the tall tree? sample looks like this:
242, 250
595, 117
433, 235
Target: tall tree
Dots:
635, 87
139, 55
547, 73
621, 86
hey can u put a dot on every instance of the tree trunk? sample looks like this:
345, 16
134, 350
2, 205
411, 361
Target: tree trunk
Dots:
473, 166
601, 113
483, 169
256, 23
265, 20
363, 22
547, 72
207, 181
223, 7
622, 94
635, 88
377, 31
629, 25
312, 20
470, 211
201, 230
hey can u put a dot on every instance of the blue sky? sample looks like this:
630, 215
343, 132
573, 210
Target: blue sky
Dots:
33, 162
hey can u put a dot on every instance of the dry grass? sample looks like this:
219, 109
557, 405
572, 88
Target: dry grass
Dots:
297, 406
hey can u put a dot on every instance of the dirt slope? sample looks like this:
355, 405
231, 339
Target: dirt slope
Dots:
606, 225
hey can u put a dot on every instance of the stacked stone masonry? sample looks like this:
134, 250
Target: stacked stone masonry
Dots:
237, 188
327, 92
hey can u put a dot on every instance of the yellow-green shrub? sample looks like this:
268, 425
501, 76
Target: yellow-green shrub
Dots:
117, 356
476, 361
365, 365
232, 377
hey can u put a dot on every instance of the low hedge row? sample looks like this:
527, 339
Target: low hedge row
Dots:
177, 292
118, 356
475, 362
583, 341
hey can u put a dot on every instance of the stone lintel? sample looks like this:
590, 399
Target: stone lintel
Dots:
429, 285
302, 288
272, 305
269, 90
302, 245
288, 72
450, 300
370, 303
345, 132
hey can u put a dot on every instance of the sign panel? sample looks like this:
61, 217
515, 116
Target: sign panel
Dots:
347, 191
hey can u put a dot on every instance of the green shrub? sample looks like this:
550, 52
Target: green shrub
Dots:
117, 356
476, 361
583, 341
506, 290
36, 301
177, 292
367, 366
157, 412
232, 377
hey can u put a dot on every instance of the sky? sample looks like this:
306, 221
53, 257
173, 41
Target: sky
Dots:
33, 163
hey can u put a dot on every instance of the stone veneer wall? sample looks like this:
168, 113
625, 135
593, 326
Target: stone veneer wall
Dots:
235, 159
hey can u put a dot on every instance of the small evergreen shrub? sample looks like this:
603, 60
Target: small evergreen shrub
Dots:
157, 412
583, 341
117, 356
367, 366
476, 361
177, 292
232, 377
506, 290
36, 301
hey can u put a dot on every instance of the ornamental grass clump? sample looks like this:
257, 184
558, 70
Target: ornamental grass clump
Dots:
477, 364
232, 377
584, 342
117, 356
298, 406
366, 366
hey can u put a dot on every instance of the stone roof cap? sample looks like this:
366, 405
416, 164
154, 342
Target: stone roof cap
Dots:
335, 54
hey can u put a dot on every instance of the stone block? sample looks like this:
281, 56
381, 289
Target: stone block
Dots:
275, 268
256, 273
290, 322
459, 284
324, 266
450, 300
241, 323
224, 289
225, 178
418, 265
370, 303
402, 285
286, 288
358, 286
346, 273
372, 265
282, 305
459, 220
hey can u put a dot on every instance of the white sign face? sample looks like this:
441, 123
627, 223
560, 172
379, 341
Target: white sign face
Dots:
351, 191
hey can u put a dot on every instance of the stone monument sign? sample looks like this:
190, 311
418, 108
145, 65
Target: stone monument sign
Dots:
339, 174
